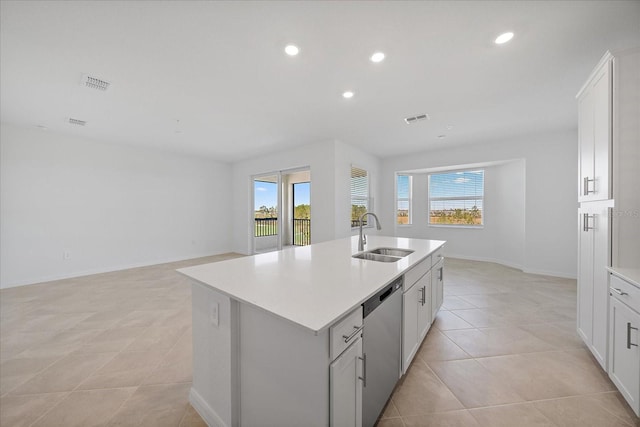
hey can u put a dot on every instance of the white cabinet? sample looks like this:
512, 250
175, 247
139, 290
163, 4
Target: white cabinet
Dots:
437, 287
624, 362
416, 319
345, 378
594, 134
409, 326
593, 290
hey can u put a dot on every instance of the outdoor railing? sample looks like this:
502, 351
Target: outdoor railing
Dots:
301, 232
266, 227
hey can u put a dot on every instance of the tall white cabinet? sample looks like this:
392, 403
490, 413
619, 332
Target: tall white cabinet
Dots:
608, 196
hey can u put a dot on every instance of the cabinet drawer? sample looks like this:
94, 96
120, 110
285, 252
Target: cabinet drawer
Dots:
345, 332
625, 292
437, 256
413, 275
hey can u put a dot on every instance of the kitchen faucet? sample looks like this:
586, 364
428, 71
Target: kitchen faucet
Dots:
363, 238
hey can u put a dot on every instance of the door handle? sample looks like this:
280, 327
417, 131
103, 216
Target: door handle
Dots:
363, 378
585, 221
348, 338
585, 186
629, 328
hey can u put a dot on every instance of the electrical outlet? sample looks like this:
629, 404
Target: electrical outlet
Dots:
214, 313
66, 255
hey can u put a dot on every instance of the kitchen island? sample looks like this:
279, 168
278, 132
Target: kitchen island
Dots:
275, 335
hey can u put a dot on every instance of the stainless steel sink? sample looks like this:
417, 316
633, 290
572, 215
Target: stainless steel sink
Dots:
376, 257
391, 252
384, 254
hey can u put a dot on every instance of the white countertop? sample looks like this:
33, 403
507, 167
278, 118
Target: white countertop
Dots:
312, 286
631, 275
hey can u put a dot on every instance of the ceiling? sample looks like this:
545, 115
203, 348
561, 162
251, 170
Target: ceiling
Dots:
212, 79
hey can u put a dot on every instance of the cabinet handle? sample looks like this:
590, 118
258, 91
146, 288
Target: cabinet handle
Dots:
629, 328
363, 378
585, 186
441, 278
423, 295
348, 338
585, 221
619, 291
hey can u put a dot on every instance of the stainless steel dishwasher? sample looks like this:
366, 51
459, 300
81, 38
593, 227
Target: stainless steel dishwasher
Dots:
381, 344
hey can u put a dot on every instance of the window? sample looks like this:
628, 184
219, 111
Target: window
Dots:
403, 199
455, 198
359, 195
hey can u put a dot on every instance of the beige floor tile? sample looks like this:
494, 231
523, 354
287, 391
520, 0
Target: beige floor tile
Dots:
22, 411
447, 320
103, 320
13, 343
437, 346
455, 303
473, 384
192, 419
177, 365
520, 414
390, 411
614, 403
145, 318
65, 374
497, 341
558, 338
124, 370
112, 340
578, 412
60, 344
481, 318
421, 392
154, 406
85, 408
15, 372
156, 338
390, 422
443, 419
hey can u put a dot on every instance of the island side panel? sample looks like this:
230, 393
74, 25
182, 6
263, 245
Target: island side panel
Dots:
284, 372
215, 359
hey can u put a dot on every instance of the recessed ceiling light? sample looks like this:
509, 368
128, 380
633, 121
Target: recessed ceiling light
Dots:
377, 57
503, 38
348, 94
291, 50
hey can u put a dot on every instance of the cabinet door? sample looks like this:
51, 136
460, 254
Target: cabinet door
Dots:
585, 145
437, 288
600, 316
624, 362
602, 134
345, 375
585, 278
409, 325
424, 306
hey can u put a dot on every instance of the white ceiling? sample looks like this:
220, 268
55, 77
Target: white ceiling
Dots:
219, 68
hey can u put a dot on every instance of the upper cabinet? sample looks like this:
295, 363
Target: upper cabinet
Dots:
595, 133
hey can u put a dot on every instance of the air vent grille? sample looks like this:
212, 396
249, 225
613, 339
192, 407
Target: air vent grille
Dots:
414, 119
95, 83
77, 122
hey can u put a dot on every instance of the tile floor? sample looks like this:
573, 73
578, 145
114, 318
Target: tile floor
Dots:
114, 349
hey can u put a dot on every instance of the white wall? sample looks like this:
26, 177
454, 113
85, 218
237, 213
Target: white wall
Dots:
330, 167
549, 235
500, 239
109, 206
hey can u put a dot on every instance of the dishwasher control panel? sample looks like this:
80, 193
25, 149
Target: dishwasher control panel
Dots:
373, 302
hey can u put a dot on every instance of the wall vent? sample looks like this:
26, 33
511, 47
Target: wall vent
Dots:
77, 122
414, 119
94, 82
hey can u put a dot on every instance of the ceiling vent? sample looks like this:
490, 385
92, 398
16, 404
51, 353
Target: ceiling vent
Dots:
77, 122
414, 119
94, 82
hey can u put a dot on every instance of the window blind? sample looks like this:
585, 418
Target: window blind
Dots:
456, 198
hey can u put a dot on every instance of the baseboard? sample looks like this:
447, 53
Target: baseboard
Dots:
89, 272
512, 265
204, 410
